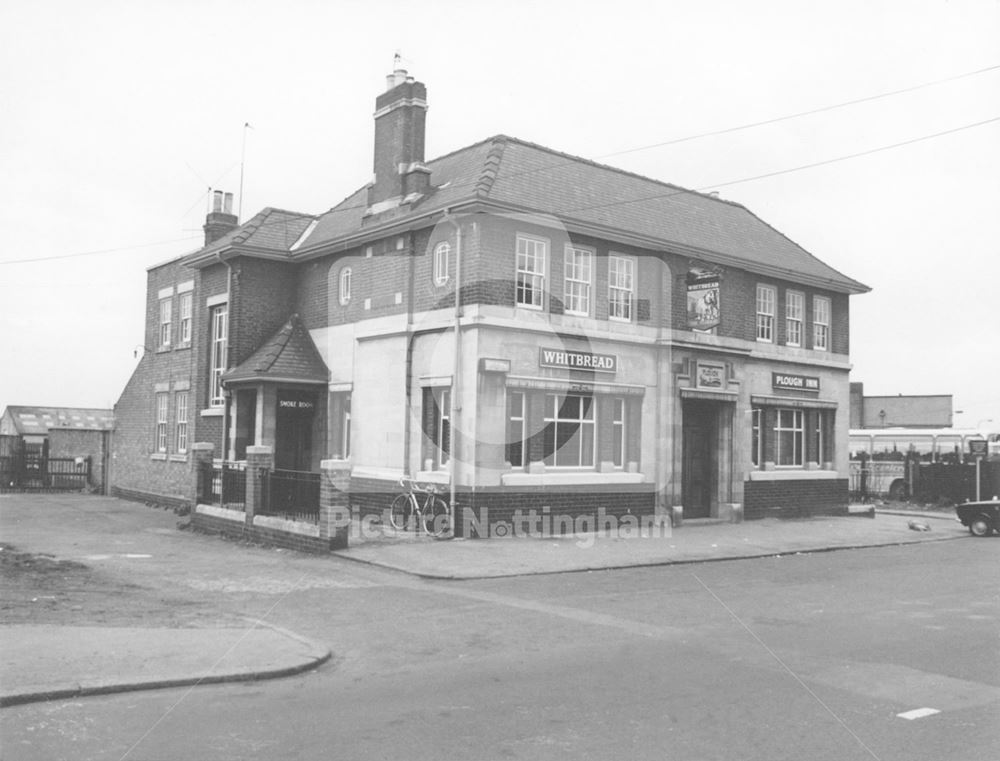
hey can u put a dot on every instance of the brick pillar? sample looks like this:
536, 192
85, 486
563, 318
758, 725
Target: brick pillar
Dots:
335, 503
202, 454
260, 459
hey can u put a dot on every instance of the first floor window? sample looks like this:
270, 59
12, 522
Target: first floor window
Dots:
442, 253
531, 265
794, 312
166, 309
788, 438
756, 441
515, 429
219, 325
162, 406
345, 286
569, 431
181, 402
821, 323
618, 432
765, 313
576, 293
621, 288
345, 427
185, 310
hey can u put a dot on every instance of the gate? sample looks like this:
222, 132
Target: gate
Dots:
27, 466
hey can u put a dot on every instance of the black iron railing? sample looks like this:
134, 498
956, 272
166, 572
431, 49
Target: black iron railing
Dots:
292, 494
223, 484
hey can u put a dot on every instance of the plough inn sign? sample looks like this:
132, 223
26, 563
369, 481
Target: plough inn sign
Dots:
786, 381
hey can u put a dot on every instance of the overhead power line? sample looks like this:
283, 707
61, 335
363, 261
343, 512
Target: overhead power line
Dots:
798, 114
799, 168
97, 251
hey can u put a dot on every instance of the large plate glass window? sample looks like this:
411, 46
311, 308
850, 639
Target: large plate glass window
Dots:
569, 431
788, 438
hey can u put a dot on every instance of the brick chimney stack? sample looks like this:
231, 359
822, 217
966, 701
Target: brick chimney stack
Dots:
400, 116
220, 220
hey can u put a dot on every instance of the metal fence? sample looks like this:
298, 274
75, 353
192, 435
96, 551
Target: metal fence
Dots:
292, 494
223, 484
28, 466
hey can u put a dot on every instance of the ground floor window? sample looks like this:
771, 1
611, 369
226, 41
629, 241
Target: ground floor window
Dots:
162, 402
788, 435
618, 432
569, 431
790, 438
515, 445
437, 426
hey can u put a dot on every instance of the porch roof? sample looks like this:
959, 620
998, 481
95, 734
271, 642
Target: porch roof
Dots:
289, 356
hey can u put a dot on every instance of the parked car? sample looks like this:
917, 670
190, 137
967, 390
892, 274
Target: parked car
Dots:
982, 518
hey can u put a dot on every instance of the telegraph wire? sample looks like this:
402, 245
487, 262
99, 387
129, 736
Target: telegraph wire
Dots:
801, 113
96, 251
799, 168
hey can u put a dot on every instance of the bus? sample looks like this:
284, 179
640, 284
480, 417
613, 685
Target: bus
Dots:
886, 455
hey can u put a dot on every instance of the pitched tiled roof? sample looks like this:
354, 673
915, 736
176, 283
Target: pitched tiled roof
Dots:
273, 230
289, 355
38, 420
516, 174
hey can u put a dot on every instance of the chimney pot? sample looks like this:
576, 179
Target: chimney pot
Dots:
227, 203
217, 201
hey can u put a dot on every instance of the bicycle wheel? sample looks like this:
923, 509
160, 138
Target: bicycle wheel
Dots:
437, 517
401, 512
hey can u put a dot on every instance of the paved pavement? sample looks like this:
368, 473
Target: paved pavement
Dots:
56, 662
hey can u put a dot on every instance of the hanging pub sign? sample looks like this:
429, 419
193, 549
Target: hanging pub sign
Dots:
703, 303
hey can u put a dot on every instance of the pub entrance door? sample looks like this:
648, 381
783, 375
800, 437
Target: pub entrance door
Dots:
294, 430
700, 459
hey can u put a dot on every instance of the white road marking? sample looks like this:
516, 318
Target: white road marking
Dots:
918, 713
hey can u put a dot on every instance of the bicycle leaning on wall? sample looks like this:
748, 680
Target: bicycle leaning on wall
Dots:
421, 508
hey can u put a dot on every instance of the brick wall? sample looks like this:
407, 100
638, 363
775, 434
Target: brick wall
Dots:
262, 298
795, 499
137, 470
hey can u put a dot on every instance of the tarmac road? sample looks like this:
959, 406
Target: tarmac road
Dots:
800, 657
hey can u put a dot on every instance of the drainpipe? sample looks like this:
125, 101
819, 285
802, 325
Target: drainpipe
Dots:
455, 407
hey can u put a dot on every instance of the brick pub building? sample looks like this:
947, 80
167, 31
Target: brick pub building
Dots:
529, 329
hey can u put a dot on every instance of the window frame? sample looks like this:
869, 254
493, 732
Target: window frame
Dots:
181, 422
440, 272
756, 439
538, 276
821, 322
614, 287
795, 313
555, 404
619, 432
344, 285
185, 309
516, 429
442, 427
765, 318
577, 263
160, 439
218, 353
166, 322
797, 431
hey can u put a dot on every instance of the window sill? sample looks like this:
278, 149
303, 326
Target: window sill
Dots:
178, 458
183, 346
560, 479
161, 456
792, 475
162, 349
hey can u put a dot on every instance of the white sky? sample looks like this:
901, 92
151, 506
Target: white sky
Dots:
117, 116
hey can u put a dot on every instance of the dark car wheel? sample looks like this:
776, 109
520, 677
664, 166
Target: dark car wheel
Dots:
980, 526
